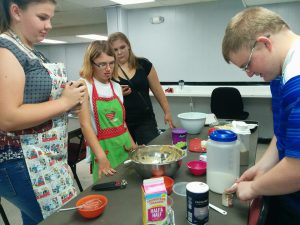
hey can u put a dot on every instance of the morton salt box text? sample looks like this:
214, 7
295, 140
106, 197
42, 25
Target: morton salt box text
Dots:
154, 197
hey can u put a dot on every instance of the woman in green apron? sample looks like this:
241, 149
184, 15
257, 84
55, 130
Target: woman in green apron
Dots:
102, 117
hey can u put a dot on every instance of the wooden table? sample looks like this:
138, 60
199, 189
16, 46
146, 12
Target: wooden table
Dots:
125, 206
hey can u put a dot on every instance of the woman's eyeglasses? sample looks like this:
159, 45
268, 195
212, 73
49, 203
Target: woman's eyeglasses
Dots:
103, 65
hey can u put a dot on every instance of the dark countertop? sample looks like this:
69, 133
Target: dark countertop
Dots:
125, 206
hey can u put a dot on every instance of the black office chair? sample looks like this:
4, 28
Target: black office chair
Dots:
227, 103
76, 152
3, 215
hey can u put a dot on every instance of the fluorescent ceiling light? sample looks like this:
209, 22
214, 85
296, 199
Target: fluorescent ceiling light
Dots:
50, 41
93, 37
130, 2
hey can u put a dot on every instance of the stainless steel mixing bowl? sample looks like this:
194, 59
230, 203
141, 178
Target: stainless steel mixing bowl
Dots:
157, 160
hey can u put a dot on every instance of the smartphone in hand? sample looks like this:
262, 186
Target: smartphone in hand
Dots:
124, 87
126, 90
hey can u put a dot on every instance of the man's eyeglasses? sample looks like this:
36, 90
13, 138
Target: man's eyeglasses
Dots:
103, 65
246, 67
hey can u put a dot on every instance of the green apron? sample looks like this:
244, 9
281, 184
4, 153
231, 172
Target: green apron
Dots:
112, 134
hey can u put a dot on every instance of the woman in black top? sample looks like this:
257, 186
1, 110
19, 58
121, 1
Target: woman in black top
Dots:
136, 76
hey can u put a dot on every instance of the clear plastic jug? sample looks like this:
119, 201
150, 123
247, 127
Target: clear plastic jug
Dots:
223, 160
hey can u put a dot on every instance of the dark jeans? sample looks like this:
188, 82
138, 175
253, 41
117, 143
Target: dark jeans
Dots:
16, 187
143, 132
279, 214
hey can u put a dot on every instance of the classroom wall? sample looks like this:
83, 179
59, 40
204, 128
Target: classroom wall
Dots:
186, 46
71, 55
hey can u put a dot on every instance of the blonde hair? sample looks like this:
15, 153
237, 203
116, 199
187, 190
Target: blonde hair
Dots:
93, 51
132, 60
243, 29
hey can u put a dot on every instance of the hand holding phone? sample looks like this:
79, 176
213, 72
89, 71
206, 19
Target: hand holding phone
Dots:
124, 86
126, 90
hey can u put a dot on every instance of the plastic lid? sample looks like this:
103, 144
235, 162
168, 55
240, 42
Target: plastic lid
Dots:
180, 188
197, 187
223, 136
179, 131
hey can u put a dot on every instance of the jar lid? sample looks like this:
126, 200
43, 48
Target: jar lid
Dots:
179, 131
197, 187
223, 136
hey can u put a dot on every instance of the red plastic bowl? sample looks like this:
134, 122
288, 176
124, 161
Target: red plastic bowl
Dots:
96, 211
169, 184
197, 167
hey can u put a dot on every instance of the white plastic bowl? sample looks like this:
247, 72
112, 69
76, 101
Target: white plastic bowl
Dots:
193, 122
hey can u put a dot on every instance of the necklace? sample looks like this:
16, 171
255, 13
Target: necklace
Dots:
32, 52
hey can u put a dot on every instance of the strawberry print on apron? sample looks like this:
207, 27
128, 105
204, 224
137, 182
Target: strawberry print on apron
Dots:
46, 154
112, 134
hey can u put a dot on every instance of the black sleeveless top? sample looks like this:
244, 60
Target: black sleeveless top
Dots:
137, 109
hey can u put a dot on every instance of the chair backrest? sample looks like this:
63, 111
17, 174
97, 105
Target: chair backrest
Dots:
76, 147
227, 103
258, 210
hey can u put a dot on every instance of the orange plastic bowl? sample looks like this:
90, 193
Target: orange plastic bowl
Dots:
92, 212
197, 167
168, 183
